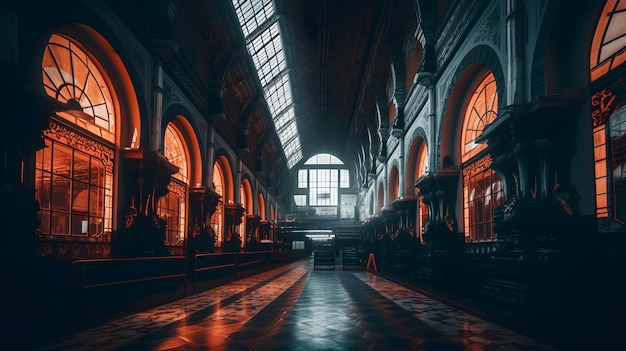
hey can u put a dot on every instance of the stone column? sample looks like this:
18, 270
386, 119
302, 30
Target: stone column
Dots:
144, 178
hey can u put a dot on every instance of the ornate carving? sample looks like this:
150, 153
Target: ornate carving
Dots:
178, 189
603, 100
476, 167
490, 30
104, 153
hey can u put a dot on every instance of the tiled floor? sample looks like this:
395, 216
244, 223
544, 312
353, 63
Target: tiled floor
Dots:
296, 308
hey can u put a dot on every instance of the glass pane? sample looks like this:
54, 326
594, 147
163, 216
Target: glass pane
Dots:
45, 222
174, 151
96, 202
480, 111
60, 193
302, 178
80, 224
44, 156
42, 189
60, 223
80, 197
62, 160
81, 167
97, 176
96, 227
266, 51
69, 75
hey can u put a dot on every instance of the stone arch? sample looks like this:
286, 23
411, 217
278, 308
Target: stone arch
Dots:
418, 140
393, 187
222, 159
479, 59
179, 118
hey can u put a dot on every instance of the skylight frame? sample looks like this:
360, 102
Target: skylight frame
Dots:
261, 31
284, 117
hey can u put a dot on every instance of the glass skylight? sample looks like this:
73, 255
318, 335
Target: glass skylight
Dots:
288, 132
252, 13
284, 118
278, 95
260, 29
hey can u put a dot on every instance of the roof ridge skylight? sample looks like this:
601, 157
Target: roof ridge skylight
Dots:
265, 46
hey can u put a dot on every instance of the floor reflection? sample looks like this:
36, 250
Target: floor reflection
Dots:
296, 308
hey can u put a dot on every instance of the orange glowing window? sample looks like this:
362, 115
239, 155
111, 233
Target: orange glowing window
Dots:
609, 41
422, 214
482, 187
244, 203
394, 185
422, 162
261, 200
171, 206
175, 152
599, 142
482, 194
74, 172
71, 77
482, 109
217, 220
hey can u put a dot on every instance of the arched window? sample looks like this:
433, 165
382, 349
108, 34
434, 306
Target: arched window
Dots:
608, 54
321, 179
74, 172
394, 185
422, 212
172, 206
244, 203
217, 220
482, 187
261, 207
609, 41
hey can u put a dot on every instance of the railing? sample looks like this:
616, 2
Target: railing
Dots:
94, 273
213, 265
248, 260
482, 247
149, 274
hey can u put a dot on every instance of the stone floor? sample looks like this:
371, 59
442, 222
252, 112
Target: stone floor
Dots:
295, 307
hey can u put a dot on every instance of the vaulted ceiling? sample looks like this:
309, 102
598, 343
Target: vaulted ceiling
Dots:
346, 62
